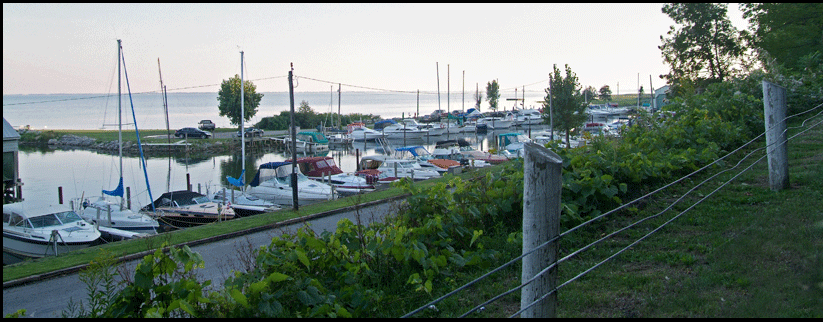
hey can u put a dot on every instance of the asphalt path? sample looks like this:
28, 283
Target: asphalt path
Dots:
49, 297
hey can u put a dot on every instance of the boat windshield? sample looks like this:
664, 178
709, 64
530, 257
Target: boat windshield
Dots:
201, 200
57, 219
68, 217
286, 180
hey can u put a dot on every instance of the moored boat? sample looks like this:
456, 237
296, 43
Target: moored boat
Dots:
183, 208
39, 231
325, 170
273, 183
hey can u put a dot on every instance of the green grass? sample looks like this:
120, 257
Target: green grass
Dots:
123, 248
746, 251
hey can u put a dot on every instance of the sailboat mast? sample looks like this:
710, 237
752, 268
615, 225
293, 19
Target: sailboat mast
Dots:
242, 125
119, 117
165, 102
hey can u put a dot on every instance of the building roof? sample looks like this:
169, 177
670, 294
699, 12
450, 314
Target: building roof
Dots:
9, 133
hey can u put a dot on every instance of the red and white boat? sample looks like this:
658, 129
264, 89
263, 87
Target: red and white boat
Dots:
324, 169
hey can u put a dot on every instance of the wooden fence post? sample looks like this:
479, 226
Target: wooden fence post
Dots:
542, 183
774, 111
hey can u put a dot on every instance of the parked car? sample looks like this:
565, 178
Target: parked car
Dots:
192, 133
250, 132
206, 125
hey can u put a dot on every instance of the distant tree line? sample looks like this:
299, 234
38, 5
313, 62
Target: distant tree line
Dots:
306, 118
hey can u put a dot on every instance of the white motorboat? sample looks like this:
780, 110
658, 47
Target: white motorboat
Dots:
511, 144
425, 158
450, 150
399, 168
183, 208
359, 132
324, 169
273, 183
109, 212
35, 232
243, 203
529, 117
434, 129
402, 131
495, 122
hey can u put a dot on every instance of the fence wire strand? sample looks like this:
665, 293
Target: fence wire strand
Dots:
667, 222
603, 215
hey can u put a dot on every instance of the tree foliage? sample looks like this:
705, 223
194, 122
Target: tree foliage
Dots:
229, 99
785, 32
568, 108
590, 93
478, 99
493, 94
704, 49
605, 93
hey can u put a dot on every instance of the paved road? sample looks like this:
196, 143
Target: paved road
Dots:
48, 298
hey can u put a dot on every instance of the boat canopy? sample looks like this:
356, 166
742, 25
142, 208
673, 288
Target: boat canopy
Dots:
181, 197
312, 136
383, 123
269, 170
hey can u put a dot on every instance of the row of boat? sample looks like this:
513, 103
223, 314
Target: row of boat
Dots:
33, 232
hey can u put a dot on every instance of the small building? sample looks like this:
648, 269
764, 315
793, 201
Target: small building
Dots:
660, 98
11, 176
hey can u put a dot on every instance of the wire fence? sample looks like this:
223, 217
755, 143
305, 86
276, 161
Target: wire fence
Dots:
479, 307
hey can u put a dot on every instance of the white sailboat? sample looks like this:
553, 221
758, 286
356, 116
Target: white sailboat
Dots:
107, 210
243, 203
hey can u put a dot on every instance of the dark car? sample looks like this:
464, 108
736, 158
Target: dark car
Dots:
192, 133
206, 125
250, 132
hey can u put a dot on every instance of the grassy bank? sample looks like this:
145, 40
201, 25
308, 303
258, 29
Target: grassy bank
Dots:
745, 251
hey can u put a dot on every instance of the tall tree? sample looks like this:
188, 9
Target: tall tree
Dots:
785, 32
229, 99
589, 93
568, 107
605, 93
478, 99
704, 49
493, 94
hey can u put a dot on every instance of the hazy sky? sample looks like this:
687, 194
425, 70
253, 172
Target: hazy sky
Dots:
71, 48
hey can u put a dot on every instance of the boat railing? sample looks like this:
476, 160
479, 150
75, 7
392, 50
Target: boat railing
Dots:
385, 144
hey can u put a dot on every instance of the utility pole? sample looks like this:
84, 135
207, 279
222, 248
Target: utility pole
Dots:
551, 112
293, 141
242, 121
438, 85
339, 124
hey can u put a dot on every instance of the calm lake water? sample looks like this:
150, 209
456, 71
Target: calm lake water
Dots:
83, 172
93, 111
86, 173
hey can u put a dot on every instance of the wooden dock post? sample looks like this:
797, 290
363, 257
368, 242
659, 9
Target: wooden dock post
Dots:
774, 111
542, 175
